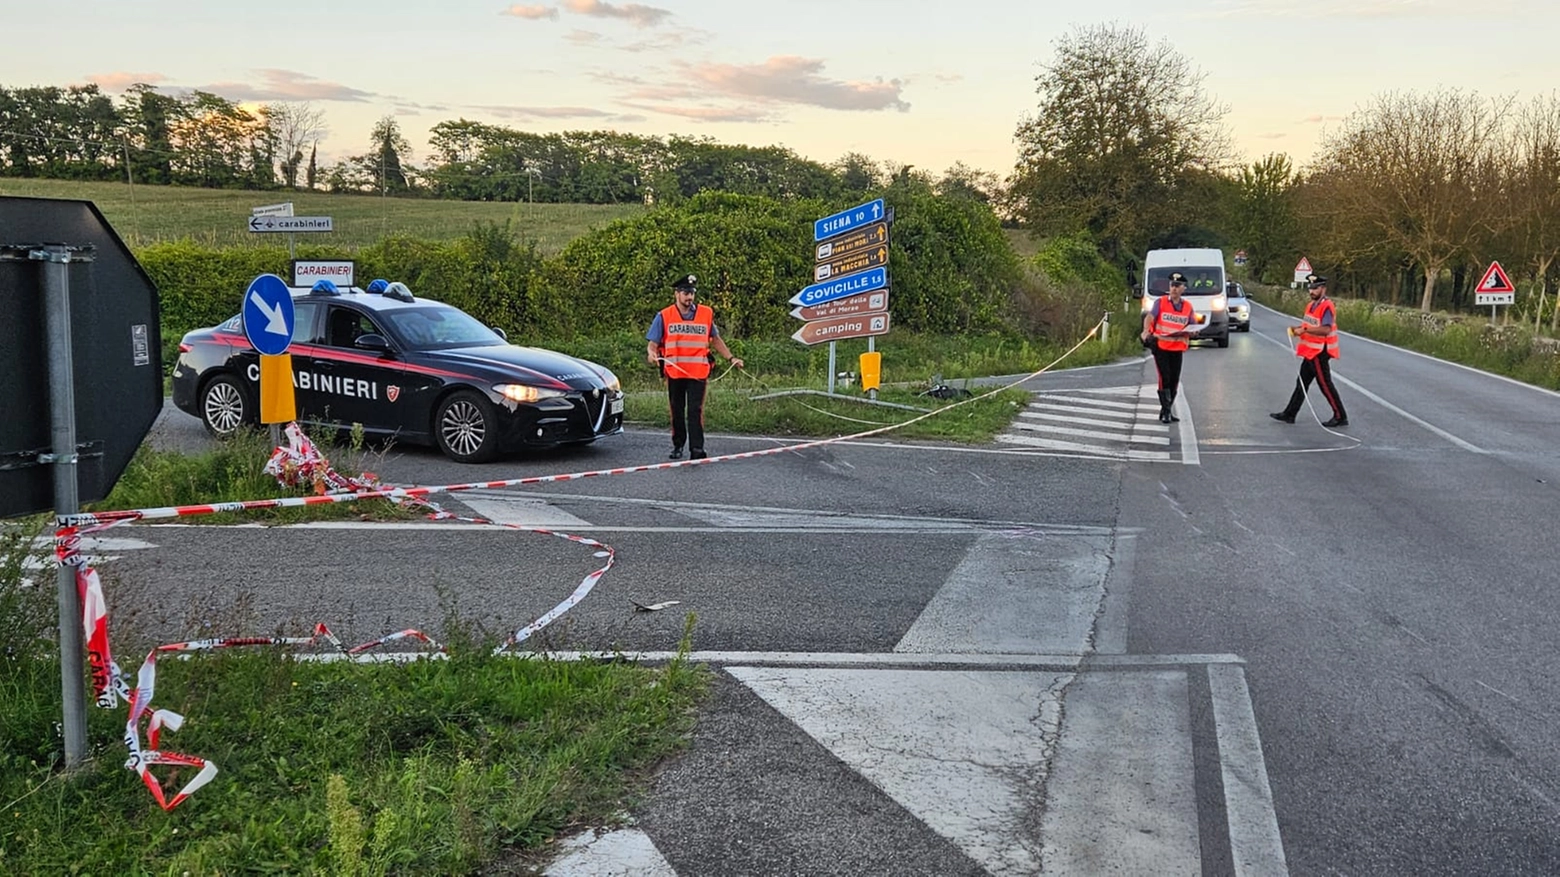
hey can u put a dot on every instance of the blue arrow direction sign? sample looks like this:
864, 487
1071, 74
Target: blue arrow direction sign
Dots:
268, 315
840, 287
845, 220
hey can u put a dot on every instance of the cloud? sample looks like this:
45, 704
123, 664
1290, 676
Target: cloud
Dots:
1319, 119
585, 37
509, 112
287, 85
120, 80
635, 13
709, 114
796, 80
531, 13
1271, 135
1356, 9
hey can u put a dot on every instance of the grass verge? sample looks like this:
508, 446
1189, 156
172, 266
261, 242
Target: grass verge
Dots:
430, 767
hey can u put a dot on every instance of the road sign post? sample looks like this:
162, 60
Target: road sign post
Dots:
78, 327
268, 321
1495, 288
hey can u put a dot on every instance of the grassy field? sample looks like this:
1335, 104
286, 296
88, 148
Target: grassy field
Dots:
217, 217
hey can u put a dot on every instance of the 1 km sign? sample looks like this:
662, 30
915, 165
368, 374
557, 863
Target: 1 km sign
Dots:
1495, 287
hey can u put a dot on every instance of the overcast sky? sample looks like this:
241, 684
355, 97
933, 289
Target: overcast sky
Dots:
912, 81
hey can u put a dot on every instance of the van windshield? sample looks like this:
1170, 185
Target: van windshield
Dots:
1200, 280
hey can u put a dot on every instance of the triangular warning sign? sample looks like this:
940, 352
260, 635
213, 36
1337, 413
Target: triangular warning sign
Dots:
1495, 280
1303, 265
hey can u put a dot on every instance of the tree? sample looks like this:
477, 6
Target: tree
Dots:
1120, 123
1535, 190
1407, 169
963, 181
313, 173
294, 125
390, 147
1265, 216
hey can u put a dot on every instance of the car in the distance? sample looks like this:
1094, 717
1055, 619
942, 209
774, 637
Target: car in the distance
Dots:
404, 367
1238, 305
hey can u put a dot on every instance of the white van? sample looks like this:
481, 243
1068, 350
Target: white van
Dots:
1204, 270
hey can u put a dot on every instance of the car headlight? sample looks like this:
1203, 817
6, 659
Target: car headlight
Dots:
1219, 301
526, 392
613, 383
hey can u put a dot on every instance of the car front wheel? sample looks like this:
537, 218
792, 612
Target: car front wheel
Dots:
464, 428
225, 407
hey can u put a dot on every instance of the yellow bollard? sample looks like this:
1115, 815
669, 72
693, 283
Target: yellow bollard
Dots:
871, 370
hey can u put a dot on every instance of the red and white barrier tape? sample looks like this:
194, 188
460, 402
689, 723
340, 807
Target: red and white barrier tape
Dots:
298, 464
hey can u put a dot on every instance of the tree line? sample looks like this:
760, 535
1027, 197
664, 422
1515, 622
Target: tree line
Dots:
203, 139
1409, 199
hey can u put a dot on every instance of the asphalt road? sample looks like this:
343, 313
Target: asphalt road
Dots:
1234, 646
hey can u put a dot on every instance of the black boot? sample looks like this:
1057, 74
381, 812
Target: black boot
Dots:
1164, 407
1170, 408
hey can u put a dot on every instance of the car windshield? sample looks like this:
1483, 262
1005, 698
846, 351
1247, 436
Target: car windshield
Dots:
435, 327
1199, 280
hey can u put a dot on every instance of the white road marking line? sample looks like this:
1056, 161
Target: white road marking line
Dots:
1467, 446
1082, 421
1255, 843
1093, 434
1121, 797
1038, 594
1190, 455
1093, 451
1074, 402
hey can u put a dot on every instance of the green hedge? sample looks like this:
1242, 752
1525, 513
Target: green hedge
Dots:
951, 268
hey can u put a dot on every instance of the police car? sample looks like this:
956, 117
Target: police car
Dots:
418, 370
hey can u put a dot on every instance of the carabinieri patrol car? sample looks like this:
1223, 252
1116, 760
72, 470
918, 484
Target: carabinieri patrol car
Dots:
418, 370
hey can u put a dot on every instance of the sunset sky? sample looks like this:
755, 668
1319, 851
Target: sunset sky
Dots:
912, 82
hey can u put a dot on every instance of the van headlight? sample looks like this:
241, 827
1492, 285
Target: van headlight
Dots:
526, 392
1220, 302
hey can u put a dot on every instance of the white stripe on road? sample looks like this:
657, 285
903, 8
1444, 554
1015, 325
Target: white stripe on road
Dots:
891, 659
1096, 450
1091, 412
1121, 797
1467, 446
1255, 843
1037, 595
1189, 452
1088, 433
1033, 416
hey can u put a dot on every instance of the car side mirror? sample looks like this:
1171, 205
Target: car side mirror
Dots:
373, 341
1137, 292
500, 332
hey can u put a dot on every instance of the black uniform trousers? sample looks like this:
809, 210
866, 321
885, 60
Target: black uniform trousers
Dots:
1319, 370
687, 399
1169, 364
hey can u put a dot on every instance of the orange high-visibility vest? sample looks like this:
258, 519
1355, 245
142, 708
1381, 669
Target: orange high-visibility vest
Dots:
685, 347
1172, 319
1308, 346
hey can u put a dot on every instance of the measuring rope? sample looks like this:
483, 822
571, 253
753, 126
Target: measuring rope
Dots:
299, 463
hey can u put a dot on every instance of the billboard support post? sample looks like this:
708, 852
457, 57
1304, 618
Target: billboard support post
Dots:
56, 260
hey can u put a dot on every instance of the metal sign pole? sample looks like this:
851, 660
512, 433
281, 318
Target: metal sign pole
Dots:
62, 421
831, 368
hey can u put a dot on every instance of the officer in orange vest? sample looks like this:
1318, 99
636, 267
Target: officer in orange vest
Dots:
679, 340
1166, 328
1316, 343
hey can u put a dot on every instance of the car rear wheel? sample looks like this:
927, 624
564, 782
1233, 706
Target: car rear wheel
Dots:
1224, 340
464, 428
225, 406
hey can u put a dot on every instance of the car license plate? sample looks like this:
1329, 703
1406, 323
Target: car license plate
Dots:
617, 405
